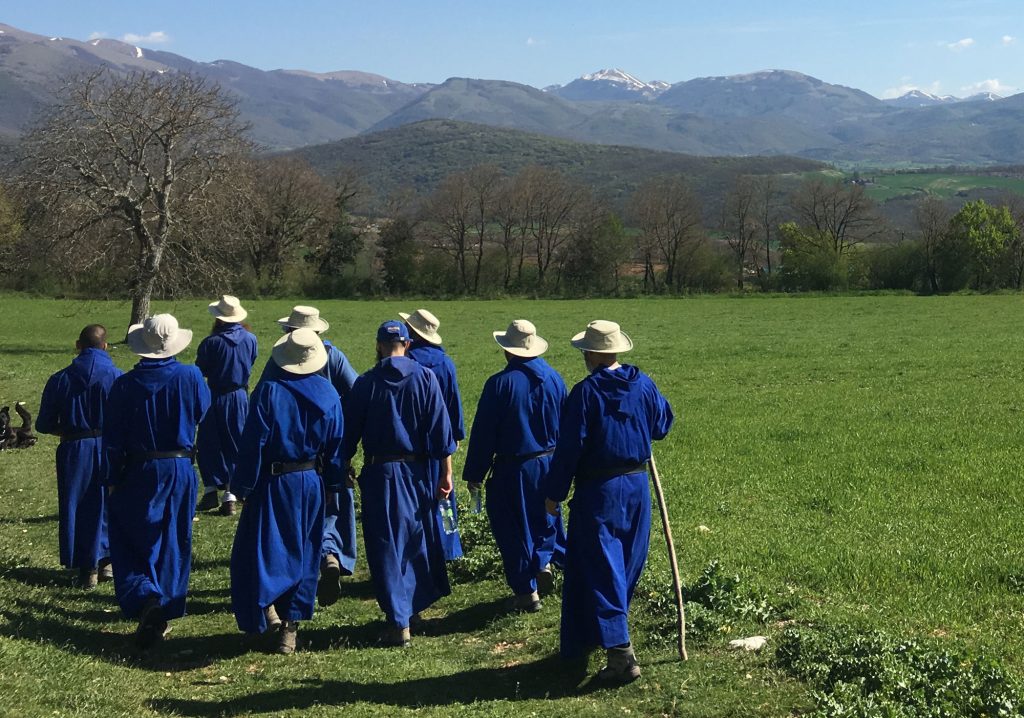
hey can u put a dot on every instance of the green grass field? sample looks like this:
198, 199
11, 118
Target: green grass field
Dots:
856, 459
940, 185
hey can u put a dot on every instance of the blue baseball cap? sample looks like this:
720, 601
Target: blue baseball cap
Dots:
392, 331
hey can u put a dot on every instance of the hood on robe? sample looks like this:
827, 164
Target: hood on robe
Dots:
308, 391
85, 366
233, 334
532, 368
427, 354
395, 371
622, 392
154, 374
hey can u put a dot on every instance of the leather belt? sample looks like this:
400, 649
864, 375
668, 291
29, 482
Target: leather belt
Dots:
613, 471
139, 457
509, 458
229, 390
389, 458
283, 467
78, 435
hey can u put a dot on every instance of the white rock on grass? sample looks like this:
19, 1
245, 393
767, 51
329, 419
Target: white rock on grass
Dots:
754, 643
703, 529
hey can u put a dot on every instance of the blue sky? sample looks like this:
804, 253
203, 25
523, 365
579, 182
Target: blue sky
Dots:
943, 46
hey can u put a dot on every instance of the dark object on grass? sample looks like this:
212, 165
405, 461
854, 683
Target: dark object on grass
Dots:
20, 438
676, 584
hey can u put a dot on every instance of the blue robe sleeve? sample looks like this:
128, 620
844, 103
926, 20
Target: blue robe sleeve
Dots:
482, 436
661, 416
115, 428
254, 437
572, 433
440, 439
355, 416
332, 461
343, 376
203, 358
202, 400
454, 405
48, 418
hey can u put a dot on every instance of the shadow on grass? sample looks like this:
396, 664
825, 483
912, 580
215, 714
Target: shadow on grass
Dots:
546, 678
466, 620
38, 577
28, 519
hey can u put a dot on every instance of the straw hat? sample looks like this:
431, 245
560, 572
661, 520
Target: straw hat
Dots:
158, 337
424, 324
602, 337
304, 318
228, 309
521, 340
300, 352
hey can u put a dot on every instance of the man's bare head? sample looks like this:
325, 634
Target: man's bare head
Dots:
93, 336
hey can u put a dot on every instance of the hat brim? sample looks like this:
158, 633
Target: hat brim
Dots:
319, 327
228, 318
137, 344
432, 337
311, 366
579, 341
542, 346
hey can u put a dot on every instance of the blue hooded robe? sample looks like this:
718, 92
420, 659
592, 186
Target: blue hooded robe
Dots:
275, 558
72, 404
518, 416
608, 422
339, 504
434, 358
225, 358
154, 407
397, 408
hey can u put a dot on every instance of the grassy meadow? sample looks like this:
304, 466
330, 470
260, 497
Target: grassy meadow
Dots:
937, 184
854, 459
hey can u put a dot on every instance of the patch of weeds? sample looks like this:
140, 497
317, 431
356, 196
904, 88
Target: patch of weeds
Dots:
865, 674
480, 560
1015, 582
713, 602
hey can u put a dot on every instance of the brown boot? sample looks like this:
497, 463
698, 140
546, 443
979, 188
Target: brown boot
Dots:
152, 625
288, 637
622, 666
273, 620
527, 602
87, 578
396, 637
545, 581
329, 589
227, 508
106, 571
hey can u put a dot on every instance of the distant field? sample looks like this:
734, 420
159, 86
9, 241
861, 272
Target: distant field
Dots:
859, 457
937, 184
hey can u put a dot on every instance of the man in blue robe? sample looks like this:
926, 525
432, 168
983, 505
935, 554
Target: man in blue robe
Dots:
290, 454
148, 441
426, 349
513, 437
72, 408
604, 443
339, 545
397, 412
225, 358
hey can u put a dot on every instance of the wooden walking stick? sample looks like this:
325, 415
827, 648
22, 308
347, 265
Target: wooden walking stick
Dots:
676, 583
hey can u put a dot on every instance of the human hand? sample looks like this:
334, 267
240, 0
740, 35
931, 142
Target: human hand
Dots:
551, 506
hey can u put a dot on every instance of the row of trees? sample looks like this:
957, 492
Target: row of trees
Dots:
146, 184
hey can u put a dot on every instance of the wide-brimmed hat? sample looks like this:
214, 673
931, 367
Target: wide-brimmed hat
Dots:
521, 340
228, 309
603, 337
304, 318
300, 352
158, 337
424, 324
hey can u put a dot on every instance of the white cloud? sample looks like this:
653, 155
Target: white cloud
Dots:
97, 35
993, 85
158, 37
1008, 39
530, 42
960, 44
893, 92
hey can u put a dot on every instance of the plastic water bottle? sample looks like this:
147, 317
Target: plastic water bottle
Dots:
476, 500
447, 516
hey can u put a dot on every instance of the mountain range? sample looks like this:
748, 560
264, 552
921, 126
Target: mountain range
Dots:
771, 112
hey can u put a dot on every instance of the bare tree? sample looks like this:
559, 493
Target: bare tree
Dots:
932, 216
740, 222
1015, 248
510, 218
768, 215
840, 215
142, 157
549, 199
669, 216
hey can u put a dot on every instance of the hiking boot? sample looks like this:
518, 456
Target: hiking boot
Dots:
287, 637
273, 620
87, 578
527, 602
152, 626
106, 571
209, 502
329, 589
622, 666
227, 508
395, 637
545, 581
